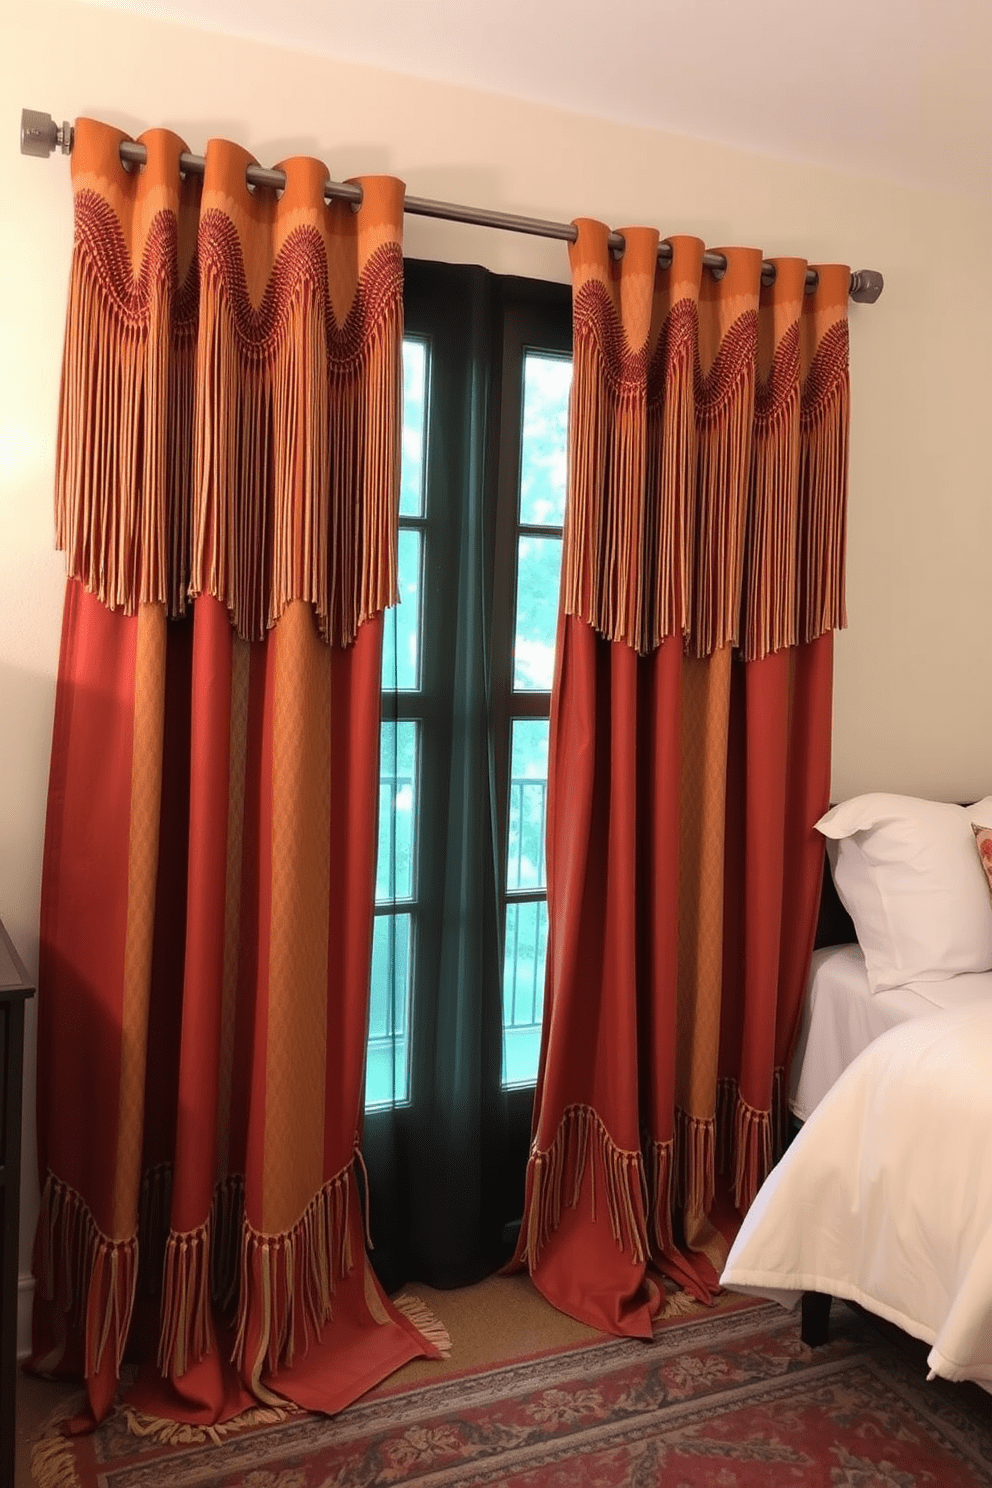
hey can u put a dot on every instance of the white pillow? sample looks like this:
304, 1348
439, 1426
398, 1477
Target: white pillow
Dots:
908, 874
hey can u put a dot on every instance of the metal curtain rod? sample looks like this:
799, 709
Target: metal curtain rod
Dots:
40, 135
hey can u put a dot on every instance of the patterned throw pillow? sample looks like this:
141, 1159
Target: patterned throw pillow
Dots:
983, 841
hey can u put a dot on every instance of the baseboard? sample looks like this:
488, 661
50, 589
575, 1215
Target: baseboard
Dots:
25, 1299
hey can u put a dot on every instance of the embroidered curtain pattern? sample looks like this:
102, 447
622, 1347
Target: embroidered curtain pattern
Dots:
227, 486
702, 577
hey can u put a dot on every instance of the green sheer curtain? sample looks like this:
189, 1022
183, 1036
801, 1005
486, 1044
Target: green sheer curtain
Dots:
447, 1149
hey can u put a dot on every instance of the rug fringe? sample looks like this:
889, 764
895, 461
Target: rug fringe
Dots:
681, 1304
53, 1463
185, 1433
416, 1311
53, 1457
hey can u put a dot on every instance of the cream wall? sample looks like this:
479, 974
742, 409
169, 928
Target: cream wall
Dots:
913, 709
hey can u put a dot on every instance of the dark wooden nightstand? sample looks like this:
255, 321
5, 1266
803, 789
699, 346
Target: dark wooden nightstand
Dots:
15, 988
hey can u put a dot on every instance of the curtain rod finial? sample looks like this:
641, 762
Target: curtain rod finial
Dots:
40, 134
866, 286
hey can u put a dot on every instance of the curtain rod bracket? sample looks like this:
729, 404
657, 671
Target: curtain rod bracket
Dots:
40, 134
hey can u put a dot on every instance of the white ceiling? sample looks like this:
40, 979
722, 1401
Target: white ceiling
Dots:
900, 89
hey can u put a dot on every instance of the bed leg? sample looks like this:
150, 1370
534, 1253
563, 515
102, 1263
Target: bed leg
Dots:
815, 1325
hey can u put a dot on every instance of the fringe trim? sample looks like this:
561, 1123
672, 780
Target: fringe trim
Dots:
724, 423
661, 1172
695, 1148
125, 418
681, 1304
563, 1164
53, 1455
770, 600
424, 1320
668, 541
184, 1433
296, 437
184, 1335
208, 448
730, 1124
74, 1262
53, 1463
188, 1269
752, 1152
632, 448
823, 476
296, 1274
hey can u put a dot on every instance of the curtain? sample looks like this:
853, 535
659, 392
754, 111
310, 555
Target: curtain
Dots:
226, 496
690, 751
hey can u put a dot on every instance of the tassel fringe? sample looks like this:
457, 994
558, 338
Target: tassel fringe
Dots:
825, 420
554, 1178
290, 1277
208, 448
738, 1140
724, 419
425, 1321
770, 599
87, 1275
695, 1146
661, 1171
124, 438
184, 1336
752, 1151
629, 530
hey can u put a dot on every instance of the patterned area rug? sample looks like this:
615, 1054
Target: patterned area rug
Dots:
728, 1400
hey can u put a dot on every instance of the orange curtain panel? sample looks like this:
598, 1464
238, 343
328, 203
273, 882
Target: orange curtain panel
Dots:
690, 756
227, 485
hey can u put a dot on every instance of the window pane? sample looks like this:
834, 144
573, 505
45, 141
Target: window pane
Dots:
387, 1062
394, 877
544, 439
401, 626
538, 570
528, 800
414, 427
523, 990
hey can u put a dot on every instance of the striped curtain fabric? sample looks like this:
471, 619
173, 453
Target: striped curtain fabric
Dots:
702, 579
227, 488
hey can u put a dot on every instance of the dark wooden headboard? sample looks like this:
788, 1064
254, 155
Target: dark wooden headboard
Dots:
834, 926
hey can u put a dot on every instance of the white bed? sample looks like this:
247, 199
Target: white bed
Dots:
885, 1196
842, 1016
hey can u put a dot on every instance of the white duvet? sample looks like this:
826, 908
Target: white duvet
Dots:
885, 1196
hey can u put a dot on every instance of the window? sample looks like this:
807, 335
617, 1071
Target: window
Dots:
524, 448
460, 924
532, 509
387, 1078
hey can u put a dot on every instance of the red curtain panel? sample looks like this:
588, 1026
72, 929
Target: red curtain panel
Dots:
690, 756
227, 487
